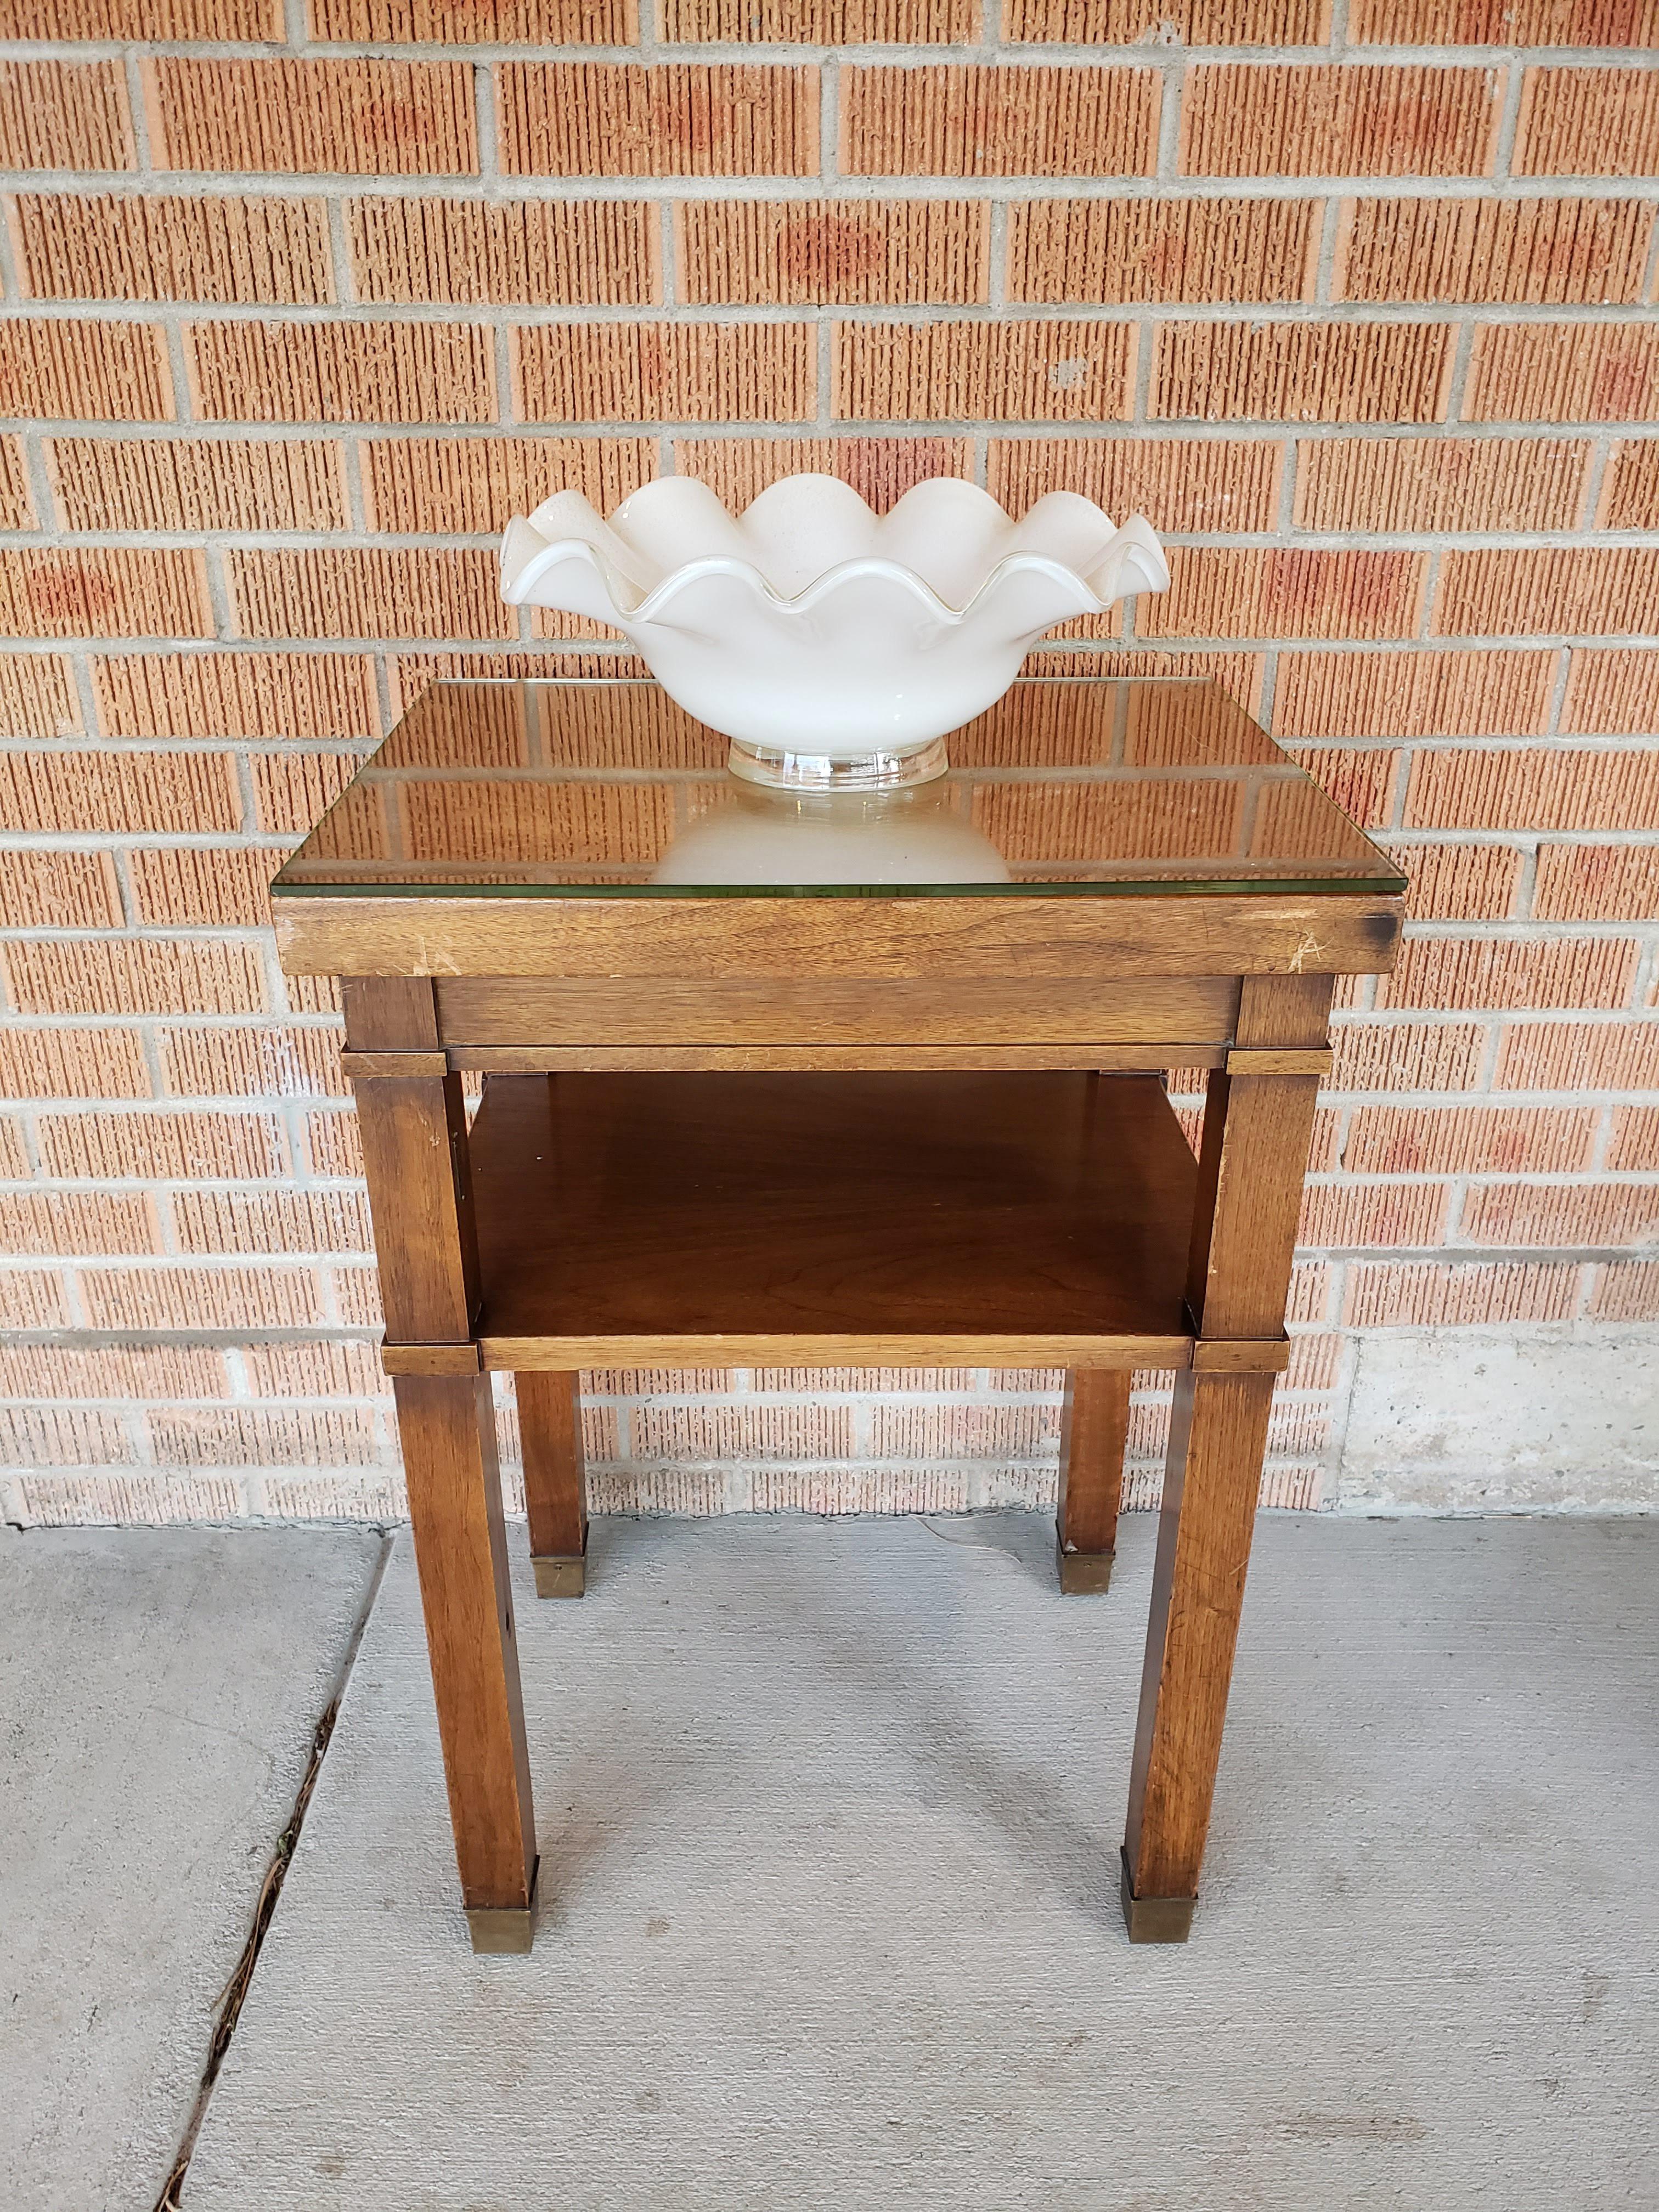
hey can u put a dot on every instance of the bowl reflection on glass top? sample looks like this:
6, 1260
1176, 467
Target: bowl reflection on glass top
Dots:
758, 836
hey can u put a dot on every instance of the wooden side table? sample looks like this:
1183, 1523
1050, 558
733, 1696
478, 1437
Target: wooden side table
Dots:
879, 1082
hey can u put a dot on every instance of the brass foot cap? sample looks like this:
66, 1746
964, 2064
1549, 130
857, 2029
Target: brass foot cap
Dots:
1153, 1919
500, 1928
556, 1577
1084, 1574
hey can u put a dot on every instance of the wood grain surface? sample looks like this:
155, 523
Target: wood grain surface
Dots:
792, 940
831, 1219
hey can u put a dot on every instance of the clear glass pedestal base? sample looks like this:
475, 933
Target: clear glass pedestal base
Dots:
788, 771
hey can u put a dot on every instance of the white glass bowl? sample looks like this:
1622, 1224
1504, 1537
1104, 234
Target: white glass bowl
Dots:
835, 647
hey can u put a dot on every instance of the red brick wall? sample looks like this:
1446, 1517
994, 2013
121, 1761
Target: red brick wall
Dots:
303, 296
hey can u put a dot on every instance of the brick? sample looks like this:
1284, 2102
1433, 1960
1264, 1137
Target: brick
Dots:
473, 486
1349, 1217
284, 1063
1628, 1290
1630, 491
1302, 372
36, 1224
1635, 1141
1408, 1056
70, 1063
81, 245
1435, 484
880, 469
1470, 1139
266, 371
60, 1435
125, 1371
64, 115
1591, 589
473, 252
332, 1144
312, 117
46, 890
108, 1147
1315, 1363
36, 696
275, 1296
652, 373
127, 1501
941, 119
237, 1436
681, 119
271, 1221
1597, 883
819, 1381
409, 675
1460, 1296
1530, 250
198, 484
369, 591
842, 253
16, 506
32, 1298
1284, 591
1363, 120
1363, 784
105, 591
236, 694
1502, 972
312, 994
90, 371
1177, 484
1193, 22
315, 1370
1538, 787
1562, 373
758, 1429
1460, 882
1569, 1215
1413, 695
821, 22
1505, 22
15, 1166
1590, 122
1059, 372
510, 22
1579, 1056
935, 1431
291, 791
1611, 692
124, 975
89, 791
192, 886
245, 20
1161, 250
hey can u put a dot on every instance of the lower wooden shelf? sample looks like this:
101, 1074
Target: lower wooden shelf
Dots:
1006, 1220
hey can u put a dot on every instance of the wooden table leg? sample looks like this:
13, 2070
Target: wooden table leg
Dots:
1094, 1431
1218, 1432
447, 1423
555, 1481
415, 1156
1253, 1158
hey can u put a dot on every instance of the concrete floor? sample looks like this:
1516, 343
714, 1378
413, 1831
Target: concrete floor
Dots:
159, 1690
828, 1817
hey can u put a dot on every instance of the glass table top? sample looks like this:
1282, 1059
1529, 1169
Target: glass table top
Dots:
1080, 787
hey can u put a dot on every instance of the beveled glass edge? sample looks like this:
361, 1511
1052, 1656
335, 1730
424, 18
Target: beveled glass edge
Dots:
1147, 887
